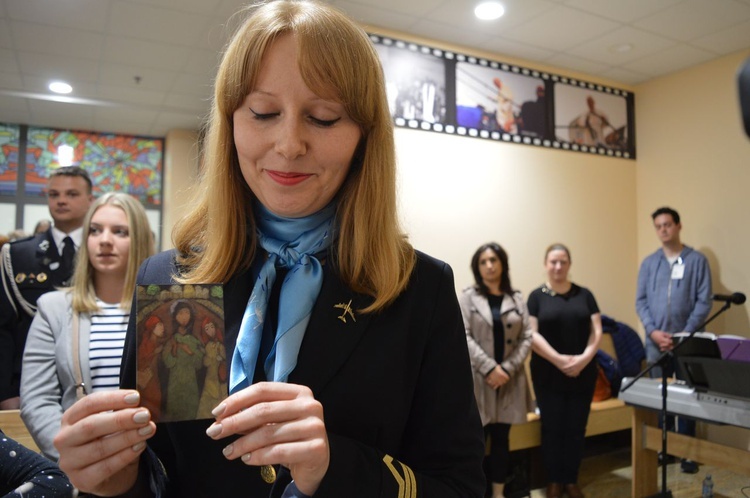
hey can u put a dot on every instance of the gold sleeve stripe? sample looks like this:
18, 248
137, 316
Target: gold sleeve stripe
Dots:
411, 481
407, 484
389, 463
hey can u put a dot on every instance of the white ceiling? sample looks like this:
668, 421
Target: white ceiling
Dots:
145, 66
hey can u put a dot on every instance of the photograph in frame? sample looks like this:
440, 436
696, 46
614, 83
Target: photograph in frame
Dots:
493, 99
591, 118
415, 83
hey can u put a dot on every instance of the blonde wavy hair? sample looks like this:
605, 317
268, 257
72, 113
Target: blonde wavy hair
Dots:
216, 239
141, 247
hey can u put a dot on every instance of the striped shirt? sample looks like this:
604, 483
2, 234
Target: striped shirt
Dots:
108, 327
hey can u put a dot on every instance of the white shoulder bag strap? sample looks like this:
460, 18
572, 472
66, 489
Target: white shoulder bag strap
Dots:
80, 386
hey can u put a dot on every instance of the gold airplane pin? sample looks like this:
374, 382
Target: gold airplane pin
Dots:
347, 307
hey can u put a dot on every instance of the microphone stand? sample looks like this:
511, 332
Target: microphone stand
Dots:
662, 361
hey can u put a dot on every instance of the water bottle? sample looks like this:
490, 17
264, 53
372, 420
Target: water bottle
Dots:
708, 487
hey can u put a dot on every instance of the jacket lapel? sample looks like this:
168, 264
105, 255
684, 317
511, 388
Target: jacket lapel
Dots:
83, 336
236, 293
46, 250
482, 305
508, 304
48, 257
335, 328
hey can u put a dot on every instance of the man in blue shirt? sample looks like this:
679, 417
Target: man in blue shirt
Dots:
674, 295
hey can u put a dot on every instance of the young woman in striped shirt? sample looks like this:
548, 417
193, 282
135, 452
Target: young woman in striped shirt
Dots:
75, 342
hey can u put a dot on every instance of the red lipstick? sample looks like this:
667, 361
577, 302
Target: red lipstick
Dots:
287, 179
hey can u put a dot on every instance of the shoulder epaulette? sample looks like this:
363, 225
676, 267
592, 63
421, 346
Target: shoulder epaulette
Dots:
10, 286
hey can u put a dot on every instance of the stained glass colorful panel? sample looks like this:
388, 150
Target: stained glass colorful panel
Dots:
116, 163
9, 142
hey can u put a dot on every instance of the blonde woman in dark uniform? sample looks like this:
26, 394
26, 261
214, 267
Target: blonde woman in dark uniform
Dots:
328, 308
499, 340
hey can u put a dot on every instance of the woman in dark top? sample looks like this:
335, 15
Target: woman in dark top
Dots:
29, 474
567, 329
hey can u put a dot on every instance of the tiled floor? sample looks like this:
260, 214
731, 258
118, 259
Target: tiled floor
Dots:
608, 476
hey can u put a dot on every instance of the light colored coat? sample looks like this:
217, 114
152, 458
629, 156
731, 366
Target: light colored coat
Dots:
48, 381
510, 403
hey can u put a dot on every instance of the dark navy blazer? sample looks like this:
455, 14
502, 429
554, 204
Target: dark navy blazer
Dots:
36, 270
396, 390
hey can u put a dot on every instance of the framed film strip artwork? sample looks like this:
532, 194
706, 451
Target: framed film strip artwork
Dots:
447, 92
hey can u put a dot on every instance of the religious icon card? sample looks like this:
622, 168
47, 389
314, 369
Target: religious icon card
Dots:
181, 359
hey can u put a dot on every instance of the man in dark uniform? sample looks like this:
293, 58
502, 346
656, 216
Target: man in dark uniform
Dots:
35, 265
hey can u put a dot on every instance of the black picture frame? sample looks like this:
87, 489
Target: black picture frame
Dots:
443, 91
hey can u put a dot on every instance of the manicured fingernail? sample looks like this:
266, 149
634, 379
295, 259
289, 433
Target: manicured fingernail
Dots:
214, 430
139, 446
246, 457
228, 450
219, 410
145, 431
141, 417
132, 398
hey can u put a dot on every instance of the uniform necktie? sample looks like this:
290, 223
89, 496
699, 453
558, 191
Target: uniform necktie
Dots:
68, 255
290, 243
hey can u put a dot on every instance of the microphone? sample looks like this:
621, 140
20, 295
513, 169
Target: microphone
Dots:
734, 298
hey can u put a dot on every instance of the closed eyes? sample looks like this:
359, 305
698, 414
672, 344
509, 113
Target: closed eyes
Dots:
325, 123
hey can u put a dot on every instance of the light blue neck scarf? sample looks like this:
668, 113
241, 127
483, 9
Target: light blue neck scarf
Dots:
290, 243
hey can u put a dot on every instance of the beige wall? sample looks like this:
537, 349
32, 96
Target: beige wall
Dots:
457, 193
180, 173
694, 156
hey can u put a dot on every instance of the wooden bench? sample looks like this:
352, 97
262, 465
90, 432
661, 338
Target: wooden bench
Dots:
13, 427
606, 416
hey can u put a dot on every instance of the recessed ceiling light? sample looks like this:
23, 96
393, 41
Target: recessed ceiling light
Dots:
488, 11
60, 87
65, 155
621, 48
